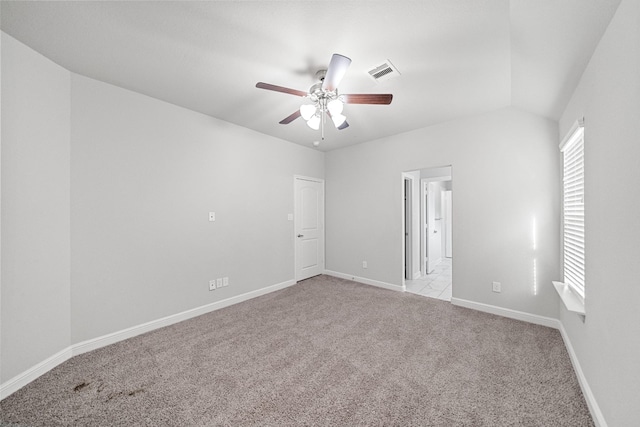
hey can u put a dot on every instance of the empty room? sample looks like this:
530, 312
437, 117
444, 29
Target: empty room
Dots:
336, 213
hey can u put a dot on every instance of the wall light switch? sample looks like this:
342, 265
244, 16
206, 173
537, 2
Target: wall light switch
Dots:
218, 283
289, 217
225, 281
212, 216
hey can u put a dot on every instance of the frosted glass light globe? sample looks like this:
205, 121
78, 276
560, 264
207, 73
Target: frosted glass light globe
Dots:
314, 122
338, 119
307, 111
335, 106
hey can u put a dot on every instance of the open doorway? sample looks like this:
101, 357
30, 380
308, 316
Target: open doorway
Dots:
429, 221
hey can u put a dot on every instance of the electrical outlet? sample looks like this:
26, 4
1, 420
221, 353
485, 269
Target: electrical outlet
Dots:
218, 283
212, 285
225, 281
497, 287
364, 264
212, 216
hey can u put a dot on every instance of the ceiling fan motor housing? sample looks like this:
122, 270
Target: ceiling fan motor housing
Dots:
320, 75
321, 96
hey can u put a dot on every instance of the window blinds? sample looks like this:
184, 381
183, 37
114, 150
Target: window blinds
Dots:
573, 210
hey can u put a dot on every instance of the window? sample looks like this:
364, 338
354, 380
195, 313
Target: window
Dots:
572, 148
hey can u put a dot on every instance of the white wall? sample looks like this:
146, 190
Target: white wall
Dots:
493, 234
144, 175
105, 201
35, 310
441, 173
607, 344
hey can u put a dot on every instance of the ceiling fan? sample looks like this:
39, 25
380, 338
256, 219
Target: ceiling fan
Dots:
325, 99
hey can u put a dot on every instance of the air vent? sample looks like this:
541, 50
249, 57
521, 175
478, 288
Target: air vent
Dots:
385, 71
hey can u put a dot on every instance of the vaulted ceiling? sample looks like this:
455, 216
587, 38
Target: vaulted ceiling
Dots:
456, 58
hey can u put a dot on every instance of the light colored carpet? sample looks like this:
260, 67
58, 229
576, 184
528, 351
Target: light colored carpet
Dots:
326, 352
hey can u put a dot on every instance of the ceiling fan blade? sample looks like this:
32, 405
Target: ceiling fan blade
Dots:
337, 68
290, 118
374, 98
282, 89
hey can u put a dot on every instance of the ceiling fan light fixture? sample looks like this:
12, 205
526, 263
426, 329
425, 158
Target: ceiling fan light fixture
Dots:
307, 111
314, 122
323, 99
338, 119
335, 106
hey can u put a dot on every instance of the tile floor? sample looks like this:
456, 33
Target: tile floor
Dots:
434, 285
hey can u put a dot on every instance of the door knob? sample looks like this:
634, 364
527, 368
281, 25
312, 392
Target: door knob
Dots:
300, 235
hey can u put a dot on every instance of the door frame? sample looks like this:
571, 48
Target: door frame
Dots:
408, 228
296, 223
424, 241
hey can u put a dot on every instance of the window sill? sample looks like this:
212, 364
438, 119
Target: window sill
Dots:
570, 300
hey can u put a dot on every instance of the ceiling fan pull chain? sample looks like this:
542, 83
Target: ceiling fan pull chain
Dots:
323, 107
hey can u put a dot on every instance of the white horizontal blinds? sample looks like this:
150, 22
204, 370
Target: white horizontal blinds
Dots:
573, 210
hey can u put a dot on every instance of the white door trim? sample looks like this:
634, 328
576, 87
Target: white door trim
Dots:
296, 223
423, 226
407, 258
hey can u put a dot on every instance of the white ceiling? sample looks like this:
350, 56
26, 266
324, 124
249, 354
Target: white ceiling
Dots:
456, 57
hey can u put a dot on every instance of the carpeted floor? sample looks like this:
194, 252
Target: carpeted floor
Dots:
326, 352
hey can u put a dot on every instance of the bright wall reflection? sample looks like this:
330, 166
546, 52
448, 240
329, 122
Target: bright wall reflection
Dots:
534, 241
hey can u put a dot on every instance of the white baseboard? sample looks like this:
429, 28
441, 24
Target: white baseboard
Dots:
365, 281
20, 380
506, 312
596, 413
124, 334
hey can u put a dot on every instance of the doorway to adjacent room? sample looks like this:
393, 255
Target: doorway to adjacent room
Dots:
428, 229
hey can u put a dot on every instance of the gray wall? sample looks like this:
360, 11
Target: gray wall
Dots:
35, 310
105, 201
607, 344
493, 224
144, 175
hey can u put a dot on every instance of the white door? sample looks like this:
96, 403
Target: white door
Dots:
424, 232
431, 227
309, 227
448, 251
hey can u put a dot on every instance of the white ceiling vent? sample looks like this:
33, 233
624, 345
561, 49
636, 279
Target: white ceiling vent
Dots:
385, 71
